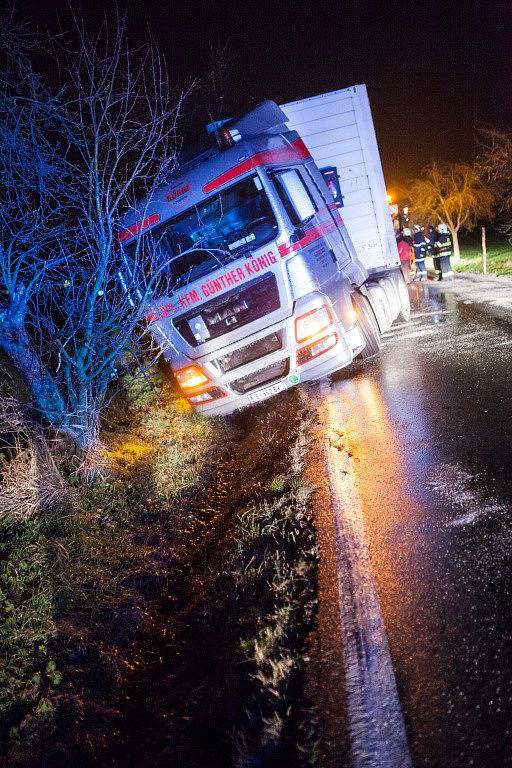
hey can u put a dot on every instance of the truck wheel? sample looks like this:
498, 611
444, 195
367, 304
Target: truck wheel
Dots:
368, 326
405, 304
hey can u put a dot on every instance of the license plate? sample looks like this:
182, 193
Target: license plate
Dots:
262, 394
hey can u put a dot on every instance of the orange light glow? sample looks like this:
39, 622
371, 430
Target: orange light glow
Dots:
352, 315
312, 323
128, 452
191, 377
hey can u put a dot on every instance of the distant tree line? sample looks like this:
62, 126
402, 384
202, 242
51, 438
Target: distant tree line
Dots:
463, 194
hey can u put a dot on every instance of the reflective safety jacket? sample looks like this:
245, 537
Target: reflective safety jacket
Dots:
420, 246
443, 245
431, 238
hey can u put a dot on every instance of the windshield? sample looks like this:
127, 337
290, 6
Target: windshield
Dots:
212, 233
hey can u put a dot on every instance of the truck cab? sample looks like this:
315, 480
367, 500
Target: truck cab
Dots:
263, 287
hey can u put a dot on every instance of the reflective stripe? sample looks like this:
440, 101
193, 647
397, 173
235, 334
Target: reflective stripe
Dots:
135, 229
293, 153
313, 234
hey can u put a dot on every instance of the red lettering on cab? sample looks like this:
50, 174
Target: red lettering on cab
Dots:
174, 195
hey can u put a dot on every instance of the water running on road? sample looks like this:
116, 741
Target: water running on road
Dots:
428, 427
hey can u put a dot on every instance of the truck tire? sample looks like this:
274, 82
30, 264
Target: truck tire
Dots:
405, 304
368, 326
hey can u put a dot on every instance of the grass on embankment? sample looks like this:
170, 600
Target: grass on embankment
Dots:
62, 572
276, 556
147, 608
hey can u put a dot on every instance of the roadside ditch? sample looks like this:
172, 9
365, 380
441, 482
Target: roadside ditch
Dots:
181, 598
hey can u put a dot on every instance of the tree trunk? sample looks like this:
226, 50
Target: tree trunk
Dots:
52, 490
456, 248
47, 397
92, 453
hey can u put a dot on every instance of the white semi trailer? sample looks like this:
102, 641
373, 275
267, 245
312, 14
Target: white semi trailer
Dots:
283, 266
338, 130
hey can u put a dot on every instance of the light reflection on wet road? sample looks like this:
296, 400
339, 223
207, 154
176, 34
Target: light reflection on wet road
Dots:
430, 435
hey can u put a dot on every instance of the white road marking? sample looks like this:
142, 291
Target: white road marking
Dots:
376, 724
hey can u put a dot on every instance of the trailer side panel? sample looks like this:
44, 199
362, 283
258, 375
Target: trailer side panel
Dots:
338, 130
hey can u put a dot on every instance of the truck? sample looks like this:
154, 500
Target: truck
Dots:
282, 265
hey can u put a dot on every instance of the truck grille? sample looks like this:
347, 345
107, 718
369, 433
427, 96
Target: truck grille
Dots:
251, 352
263, 376
231, 310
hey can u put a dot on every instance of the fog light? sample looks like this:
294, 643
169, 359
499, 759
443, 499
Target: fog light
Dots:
305, 354
206, 397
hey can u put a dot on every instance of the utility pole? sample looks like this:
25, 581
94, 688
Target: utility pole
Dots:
484, 252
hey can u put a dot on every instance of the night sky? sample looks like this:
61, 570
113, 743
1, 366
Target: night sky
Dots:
436, 71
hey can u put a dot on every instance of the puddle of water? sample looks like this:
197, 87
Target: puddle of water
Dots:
456, 486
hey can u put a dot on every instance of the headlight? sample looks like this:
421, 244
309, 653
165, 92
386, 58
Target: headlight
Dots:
312, 323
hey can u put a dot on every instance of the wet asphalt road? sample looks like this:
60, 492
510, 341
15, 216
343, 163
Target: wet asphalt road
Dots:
431, 439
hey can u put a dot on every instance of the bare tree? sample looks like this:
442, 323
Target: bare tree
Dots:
496, 162
69, 308
30, 481
33, 178
454, 193
122, 117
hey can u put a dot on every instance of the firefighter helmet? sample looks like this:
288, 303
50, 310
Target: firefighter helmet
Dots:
442, 228
406, 232
417, 228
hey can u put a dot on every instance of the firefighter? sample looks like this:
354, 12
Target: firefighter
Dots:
431, 243
443, 253
420, 252
431, 240
407, 236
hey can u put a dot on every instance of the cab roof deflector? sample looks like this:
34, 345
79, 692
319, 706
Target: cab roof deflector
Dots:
266, 117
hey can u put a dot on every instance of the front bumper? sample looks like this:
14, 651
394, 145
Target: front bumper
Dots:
283, 361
